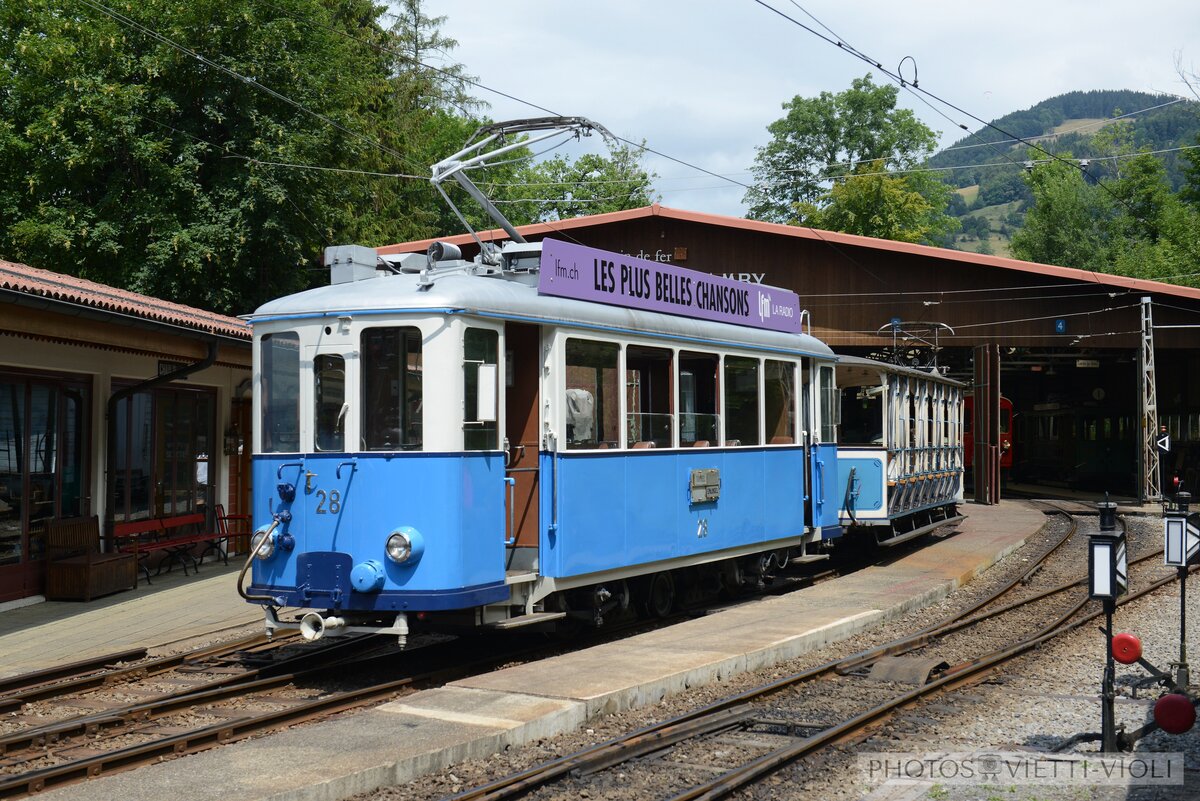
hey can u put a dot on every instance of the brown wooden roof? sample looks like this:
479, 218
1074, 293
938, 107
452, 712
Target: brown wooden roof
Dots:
883, 245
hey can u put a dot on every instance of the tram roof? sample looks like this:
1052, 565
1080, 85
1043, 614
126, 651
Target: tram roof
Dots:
857, 369
509, 299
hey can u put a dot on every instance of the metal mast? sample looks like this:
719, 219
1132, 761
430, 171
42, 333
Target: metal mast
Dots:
1151, 489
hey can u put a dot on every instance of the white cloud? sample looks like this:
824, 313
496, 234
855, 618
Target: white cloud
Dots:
702, 80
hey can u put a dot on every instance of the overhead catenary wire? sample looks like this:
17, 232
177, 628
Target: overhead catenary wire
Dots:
891, 74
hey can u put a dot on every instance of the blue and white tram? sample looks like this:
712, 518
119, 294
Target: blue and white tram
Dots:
439, 441
900, 454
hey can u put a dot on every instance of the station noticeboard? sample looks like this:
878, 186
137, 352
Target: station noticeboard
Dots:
600, 276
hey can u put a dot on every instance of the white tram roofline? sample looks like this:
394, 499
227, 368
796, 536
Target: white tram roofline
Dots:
498, 298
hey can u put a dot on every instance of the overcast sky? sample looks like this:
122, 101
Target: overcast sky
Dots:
700, 80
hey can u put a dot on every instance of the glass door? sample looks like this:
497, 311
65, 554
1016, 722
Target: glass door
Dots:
43, 472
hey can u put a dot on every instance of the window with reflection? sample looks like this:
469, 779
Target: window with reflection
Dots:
779, 398
43, 473
741, 401
390, 360
164, 440
648, 396
698, 399
280, 392
329, 398
481, 388
592, 395
827, 390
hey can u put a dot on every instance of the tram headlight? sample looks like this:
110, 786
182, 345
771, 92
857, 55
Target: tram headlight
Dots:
263, 544
405, 545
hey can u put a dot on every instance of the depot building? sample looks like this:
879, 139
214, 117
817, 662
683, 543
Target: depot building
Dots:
1094, 367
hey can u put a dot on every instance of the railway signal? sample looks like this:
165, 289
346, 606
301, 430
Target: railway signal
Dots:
1181, 543
1108, 577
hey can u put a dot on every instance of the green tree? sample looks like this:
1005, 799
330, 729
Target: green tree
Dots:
828, 137
128, 161
1132, 226
1068, 222
908, 208
560, 188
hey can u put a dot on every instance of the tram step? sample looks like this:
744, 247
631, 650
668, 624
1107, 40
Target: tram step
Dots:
527, 620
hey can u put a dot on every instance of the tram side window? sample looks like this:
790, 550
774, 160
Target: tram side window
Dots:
592, 399
829, 404
697, 399
280, 393
329, 396
741, 401
648, 376
779, 384
391, 389
480, 385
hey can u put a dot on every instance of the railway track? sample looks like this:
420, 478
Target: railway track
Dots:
744, 738
137, 710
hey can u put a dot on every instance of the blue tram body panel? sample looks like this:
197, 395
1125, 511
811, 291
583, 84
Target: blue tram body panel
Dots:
615, 511
455, 502
869, 480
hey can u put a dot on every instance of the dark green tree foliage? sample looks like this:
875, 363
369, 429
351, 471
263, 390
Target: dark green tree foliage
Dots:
560, 188
125, 161
873, 202
1133, 225
827, 137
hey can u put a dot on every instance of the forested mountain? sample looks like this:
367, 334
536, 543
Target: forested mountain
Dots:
1103, 127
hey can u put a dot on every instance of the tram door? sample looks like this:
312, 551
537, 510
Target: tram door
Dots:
522, 427
820, 413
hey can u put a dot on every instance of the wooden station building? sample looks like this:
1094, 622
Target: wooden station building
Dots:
112, 404
1066, 347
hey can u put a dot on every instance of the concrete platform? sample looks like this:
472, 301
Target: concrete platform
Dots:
402, 740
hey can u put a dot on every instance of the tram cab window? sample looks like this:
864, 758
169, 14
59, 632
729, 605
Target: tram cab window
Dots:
741, 401
862, 415
648, 396
391, 389
480, 389
697, 399
280, 393
592, 401
779, 393
329, 397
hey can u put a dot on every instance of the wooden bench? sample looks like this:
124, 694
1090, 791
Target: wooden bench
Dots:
193, 525
76, 569
142, 538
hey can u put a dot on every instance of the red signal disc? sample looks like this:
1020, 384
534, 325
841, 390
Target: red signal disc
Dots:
1174, 713
1127, 649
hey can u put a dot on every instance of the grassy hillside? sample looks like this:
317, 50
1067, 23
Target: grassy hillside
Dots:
989, 179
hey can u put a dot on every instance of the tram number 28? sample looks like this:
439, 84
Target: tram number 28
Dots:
333, 498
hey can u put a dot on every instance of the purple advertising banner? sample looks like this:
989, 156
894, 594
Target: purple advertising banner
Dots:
583, 273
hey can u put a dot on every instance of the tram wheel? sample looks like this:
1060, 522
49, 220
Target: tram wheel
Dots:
660, 595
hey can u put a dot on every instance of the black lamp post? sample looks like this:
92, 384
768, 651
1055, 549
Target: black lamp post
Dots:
1108, 578
1181, 543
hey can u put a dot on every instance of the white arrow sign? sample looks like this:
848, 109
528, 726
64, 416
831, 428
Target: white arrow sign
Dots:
1164, 443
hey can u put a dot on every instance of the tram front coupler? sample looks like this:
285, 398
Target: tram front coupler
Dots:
315, 626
